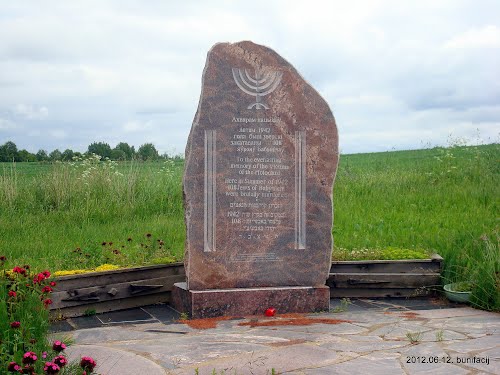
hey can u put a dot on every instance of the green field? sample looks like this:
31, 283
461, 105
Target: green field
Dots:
445, 200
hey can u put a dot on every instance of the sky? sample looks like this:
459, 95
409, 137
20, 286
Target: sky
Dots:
396, 74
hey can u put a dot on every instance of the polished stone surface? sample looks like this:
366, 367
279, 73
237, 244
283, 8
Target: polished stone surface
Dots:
260, 164
249, 301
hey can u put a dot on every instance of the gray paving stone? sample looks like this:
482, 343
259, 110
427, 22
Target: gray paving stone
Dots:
419, 359
112, 361
370, 364
474, 345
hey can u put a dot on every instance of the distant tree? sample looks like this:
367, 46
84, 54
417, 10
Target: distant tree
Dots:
41, 155
25, 156
67, 155
148, 152
8, 152
77, 154
100, 148
118, 154
127, 149
55, 155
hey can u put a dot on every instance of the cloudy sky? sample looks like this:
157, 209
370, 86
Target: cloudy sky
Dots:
397, 74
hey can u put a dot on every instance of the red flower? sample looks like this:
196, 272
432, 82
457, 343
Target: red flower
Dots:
46, 273
61, 361
39, 278
52, 283
13, 367
12, 293
51, 368
3, 258
46, 289
19, 270
47, 302
88, 363
15, 324
29, 358
58, 346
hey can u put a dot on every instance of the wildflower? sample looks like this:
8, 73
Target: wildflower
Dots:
13, 367
88, 364
46, 273
116, 252
28, 369
46, 289
15, 325
52, 283
51, 368
161, 243
47, 302
58, 346
19, 270
38, 278
44, 355
29, 358
12, 293
61, 361
3, 258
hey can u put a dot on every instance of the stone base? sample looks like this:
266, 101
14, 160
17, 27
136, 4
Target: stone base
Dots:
212, 303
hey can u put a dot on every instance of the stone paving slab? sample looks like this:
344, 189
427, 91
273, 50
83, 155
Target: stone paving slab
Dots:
377, 341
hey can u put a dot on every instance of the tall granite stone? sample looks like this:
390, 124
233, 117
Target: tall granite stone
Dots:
260, 165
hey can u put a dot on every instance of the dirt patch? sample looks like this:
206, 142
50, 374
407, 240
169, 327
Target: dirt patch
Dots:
299, 321
204, 323
407, 315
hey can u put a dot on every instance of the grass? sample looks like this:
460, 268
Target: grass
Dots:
442, 200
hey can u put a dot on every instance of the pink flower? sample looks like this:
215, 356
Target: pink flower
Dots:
88, 363
58, 346
44, 355
61, 361
51, 368
29, 358
12, 293
13, 367
15, 325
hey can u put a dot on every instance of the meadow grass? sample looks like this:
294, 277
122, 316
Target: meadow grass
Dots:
442, 200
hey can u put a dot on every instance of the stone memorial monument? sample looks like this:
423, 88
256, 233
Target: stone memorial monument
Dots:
260, 165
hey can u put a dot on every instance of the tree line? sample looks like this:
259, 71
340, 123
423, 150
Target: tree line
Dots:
122, 151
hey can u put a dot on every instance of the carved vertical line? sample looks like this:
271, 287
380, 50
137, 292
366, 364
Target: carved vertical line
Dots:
210, 190
300, 190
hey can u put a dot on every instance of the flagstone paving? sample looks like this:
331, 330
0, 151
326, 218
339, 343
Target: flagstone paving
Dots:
381, 337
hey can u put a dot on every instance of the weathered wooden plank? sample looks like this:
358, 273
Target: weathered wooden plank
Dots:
118, 276
101, 307
102, 293
387, 266
382, 280
377, 293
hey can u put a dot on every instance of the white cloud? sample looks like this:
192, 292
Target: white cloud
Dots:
485, 37
30, 112
137, 126
7, 124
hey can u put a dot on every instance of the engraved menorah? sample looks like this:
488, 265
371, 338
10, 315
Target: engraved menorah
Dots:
261, 85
